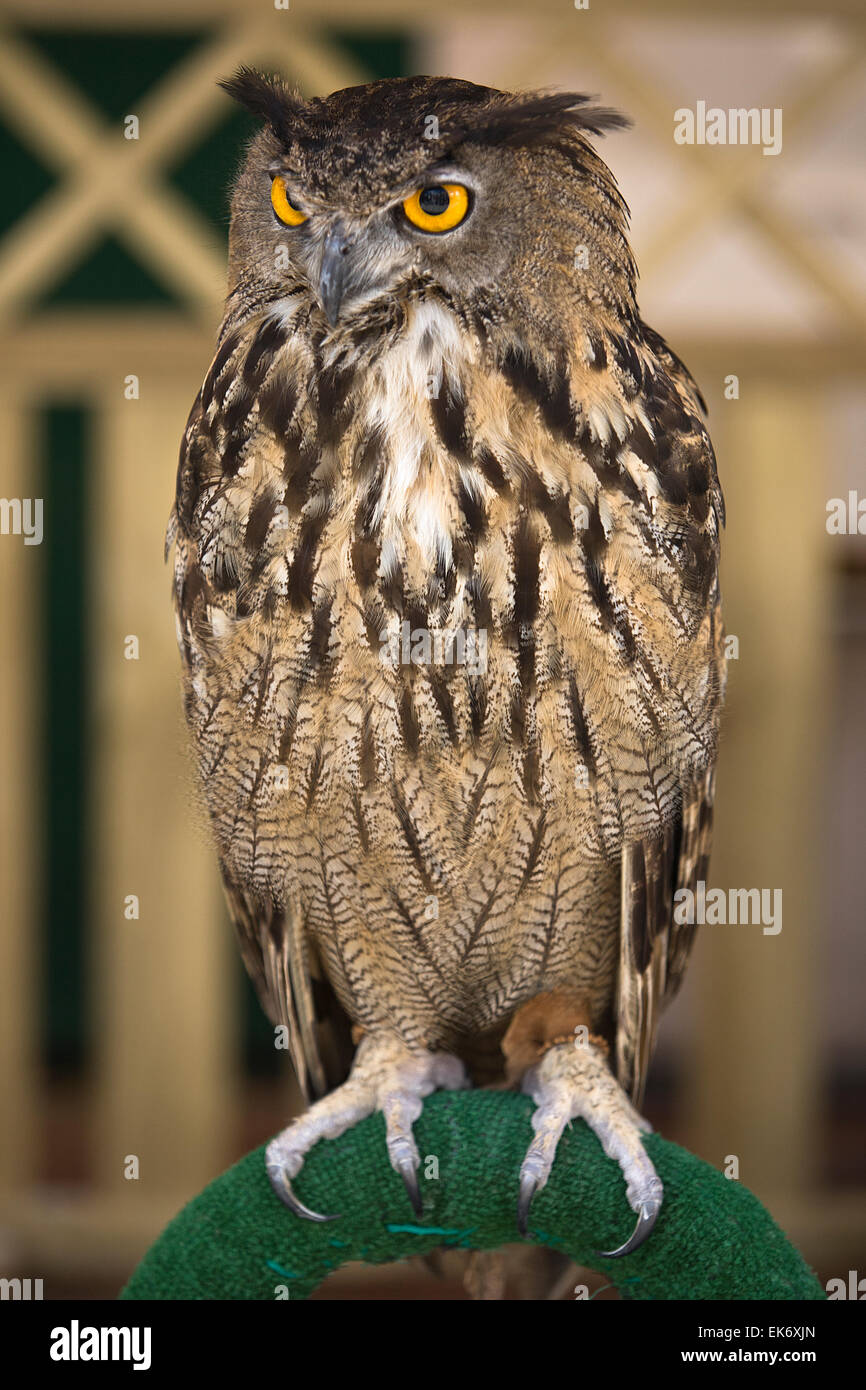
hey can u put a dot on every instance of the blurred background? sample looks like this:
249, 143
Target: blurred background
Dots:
127, 1026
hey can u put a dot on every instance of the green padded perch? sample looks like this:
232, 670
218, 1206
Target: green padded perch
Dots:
713, 1240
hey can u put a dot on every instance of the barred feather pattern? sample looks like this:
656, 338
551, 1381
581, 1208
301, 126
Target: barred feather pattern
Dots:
424, 847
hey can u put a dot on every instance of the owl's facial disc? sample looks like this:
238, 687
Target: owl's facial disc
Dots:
351, 259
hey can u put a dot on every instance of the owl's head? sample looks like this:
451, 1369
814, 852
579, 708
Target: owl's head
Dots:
386, 192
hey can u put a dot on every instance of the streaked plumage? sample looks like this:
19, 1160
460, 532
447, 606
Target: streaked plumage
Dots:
488, 438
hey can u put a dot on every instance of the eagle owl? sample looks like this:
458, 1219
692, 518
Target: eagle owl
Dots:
446, 580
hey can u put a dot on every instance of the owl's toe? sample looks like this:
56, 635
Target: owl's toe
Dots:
386, 1076
572, 1080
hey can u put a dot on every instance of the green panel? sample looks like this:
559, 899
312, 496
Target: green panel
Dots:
114, 70
108, 275
205, 173
380, 54
25, 179
64, 447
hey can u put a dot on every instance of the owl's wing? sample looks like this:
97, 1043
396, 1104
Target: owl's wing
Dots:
210, 566
292, 989
654, 950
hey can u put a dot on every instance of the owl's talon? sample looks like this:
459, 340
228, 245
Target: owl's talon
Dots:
528, 1189
283, 1188
408, 1172
647, 1217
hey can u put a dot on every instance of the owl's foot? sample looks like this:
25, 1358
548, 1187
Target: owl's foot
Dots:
573, 1080
385, 1076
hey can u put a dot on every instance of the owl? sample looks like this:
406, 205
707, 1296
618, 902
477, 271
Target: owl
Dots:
446, 537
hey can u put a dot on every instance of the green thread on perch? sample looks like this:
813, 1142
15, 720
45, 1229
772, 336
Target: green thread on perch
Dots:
713, 1239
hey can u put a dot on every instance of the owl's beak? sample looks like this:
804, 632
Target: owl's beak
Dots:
332, 276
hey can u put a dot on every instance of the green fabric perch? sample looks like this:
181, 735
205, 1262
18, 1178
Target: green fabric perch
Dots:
235, 1240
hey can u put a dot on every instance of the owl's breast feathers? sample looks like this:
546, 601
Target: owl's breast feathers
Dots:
448, 605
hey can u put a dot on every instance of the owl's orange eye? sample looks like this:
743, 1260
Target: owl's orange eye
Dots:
281, 205
438, 207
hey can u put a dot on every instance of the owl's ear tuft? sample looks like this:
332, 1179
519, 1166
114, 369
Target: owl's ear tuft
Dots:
266, 97
528, 119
